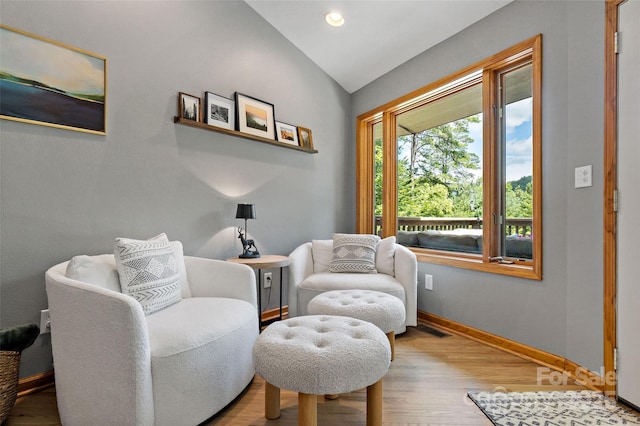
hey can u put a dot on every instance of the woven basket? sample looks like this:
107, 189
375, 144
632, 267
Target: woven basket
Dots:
9, 371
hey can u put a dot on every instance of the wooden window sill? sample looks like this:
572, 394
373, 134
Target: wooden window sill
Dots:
519, 269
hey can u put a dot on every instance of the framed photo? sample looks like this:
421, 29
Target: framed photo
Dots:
255, 117
189, 107
287, 133
304, 135
37, 87
218, 111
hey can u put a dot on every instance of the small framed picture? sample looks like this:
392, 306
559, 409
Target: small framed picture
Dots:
255, 117
287, 133
189, 107
304, 135
218, 111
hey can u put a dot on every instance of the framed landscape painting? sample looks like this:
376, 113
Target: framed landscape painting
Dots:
255, 117
49, 83
287, 133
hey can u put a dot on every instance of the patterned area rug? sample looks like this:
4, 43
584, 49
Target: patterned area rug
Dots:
552, 408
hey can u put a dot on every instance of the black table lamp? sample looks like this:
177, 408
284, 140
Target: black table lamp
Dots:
246, 211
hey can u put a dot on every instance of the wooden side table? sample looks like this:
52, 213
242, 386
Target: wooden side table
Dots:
260, 263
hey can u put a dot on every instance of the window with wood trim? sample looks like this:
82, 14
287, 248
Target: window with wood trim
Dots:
453, 170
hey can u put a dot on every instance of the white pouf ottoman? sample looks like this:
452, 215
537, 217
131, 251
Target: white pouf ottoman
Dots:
322, 355
382, 309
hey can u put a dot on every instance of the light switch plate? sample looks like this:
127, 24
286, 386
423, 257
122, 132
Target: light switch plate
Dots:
428, 282
583, 176
45, 322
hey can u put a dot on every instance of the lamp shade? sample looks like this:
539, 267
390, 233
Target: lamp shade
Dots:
246, 211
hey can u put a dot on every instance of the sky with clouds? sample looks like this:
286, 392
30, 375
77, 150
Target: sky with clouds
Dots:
519, 140
54, 65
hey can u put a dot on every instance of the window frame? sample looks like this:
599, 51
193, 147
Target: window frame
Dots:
528, 51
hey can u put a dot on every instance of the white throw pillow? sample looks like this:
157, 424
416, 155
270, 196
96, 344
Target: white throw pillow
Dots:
322, 253
178, 251
96, 270
148, 272
354, 253
385, 256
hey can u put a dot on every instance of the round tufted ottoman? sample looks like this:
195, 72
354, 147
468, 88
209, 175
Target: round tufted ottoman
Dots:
321, 354
382, 309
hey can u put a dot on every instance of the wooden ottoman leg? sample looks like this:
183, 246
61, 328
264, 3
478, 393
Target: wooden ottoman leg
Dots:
307, 409
392, 342
374, 404
271, 401
332, 396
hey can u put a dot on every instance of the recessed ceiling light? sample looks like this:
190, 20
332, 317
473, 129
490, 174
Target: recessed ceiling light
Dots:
334, 18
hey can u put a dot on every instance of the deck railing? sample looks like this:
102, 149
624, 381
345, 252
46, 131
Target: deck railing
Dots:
514, 226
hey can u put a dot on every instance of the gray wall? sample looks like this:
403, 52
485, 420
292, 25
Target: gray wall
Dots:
561, 314
65, 193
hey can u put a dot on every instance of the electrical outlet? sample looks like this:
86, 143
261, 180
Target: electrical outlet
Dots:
428, 282
583, 176
266, 279
45, 322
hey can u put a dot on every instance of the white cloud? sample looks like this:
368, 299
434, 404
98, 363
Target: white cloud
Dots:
519, 147
518, 113
519, 158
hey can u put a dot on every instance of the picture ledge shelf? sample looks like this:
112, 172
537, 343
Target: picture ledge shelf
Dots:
203, 126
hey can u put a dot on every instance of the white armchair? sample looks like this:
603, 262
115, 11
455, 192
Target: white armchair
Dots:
309, 276
177, 366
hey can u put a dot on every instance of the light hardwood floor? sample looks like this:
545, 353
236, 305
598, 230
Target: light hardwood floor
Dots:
426, 385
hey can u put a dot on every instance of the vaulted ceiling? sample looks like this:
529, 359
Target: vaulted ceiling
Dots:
377, 36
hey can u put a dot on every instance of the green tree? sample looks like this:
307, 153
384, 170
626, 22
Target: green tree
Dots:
435, 171
440, 154
377, 175
519, 200
436, 179
468, 202
522, 183
416, 197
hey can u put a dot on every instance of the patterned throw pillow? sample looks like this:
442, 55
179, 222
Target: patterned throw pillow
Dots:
148, 272
354, 253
